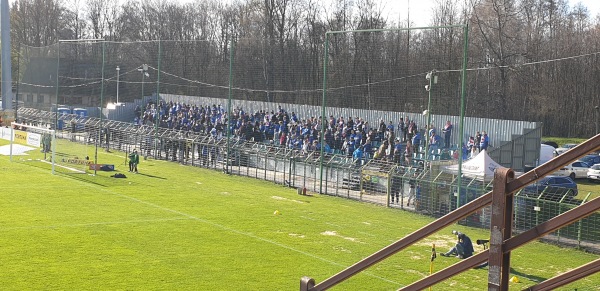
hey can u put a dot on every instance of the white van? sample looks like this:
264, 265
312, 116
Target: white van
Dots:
546, 153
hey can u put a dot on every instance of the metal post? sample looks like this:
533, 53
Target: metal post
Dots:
144, 71
118, 71
461, 127
6, 60
101, 105
228, 152
428, 88
143, 75
323, 118
597, 115
501, 230
57, 83
17, 88
157, 96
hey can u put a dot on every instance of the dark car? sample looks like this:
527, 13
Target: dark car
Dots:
552, 188
591, 159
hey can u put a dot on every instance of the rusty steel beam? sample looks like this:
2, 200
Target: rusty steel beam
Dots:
405, 242
448, 272
500, 230
568, 277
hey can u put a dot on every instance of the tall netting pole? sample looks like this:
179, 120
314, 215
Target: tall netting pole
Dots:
228, 124
323, 111
99, 132
158, 117
57, 85
462, 108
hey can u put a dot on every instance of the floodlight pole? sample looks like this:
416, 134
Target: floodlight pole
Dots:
432, 78
144, 71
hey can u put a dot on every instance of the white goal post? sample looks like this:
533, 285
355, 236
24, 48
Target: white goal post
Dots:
34, 136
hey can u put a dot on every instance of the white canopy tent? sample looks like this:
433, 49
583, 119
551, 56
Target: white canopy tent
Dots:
481, 167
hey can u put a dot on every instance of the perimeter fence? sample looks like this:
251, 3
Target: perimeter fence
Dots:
424, 188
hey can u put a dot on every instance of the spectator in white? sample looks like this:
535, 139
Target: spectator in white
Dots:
447, 134
471, 147
431, 130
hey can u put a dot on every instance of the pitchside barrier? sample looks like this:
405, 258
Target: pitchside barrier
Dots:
431, 190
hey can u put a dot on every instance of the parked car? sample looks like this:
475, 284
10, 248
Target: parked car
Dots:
591, 159
551, 143
593, 173
565, 148
574, 170
552, 188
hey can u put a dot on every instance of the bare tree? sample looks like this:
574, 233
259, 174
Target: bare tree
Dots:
103, 16
38, 22
497, 32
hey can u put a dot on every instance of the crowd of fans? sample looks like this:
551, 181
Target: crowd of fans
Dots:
353, 137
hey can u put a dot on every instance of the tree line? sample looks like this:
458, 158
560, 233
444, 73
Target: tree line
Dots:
534, 60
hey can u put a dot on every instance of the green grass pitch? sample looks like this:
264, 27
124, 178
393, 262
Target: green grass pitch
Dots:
175, 227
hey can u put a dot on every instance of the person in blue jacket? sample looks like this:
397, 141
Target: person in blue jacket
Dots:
485, 141
357, 155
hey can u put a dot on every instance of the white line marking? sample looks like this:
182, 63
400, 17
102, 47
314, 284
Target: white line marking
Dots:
65, 167
93, 224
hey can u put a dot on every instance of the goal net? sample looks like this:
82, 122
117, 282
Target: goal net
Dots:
62, 153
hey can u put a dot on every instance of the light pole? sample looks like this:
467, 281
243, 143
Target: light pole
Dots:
432, 78
118, 70
144, 71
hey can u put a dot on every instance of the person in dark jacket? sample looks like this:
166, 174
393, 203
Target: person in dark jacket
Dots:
463, 248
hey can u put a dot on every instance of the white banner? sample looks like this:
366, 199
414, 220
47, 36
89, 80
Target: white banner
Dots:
5, 133
34, 139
